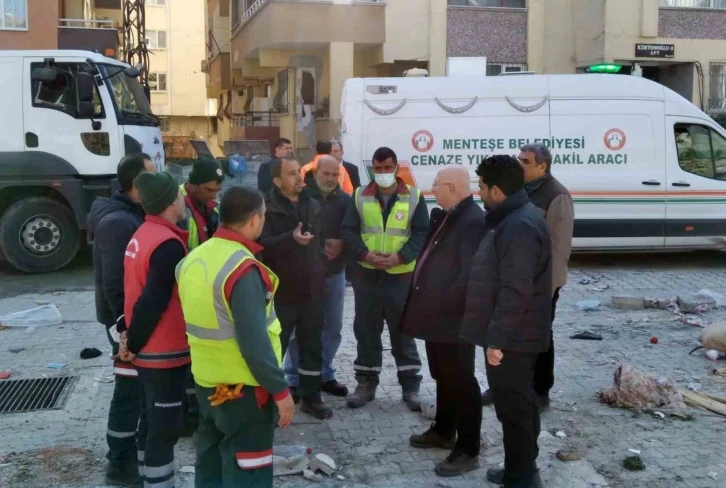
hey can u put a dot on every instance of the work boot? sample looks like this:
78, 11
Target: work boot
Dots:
412, 400
456, 464
496, 476
123, 473
432, 439
317, 409
364, 393
487, 398
295, 394
334, 388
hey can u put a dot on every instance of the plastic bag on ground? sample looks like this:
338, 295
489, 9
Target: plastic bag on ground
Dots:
35, 317
717, 297
713, 337
637, 390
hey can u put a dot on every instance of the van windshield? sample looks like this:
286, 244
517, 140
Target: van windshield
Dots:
127, 93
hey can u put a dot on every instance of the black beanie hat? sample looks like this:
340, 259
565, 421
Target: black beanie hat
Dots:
157, 191
206, 170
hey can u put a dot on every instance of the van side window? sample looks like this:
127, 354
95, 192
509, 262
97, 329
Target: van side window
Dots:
60, 94
701, 151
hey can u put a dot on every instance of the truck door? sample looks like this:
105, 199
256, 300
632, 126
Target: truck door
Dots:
696, 189
59, 140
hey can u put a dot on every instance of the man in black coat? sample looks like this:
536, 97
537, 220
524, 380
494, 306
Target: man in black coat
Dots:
112, 222
283, 149
352, 169
508, 306
434, 310
293, 240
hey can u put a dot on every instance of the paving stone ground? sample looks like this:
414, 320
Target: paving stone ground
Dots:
66, 448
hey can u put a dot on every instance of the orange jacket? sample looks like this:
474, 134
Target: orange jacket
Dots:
343, 179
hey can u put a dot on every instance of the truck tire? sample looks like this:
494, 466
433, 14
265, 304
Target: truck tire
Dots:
39, 235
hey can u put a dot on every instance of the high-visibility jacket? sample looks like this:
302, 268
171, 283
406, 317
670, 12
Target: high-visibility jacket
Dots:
343, 179
196, 223
398, 227
167, 347
202, 275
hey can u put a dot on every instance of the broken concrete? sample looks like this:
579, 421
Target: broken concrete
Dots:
628, 302
696, 303
324, 463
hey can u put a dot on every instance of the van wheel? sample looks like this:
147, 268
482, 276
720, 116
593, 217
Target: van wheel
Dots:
39, 235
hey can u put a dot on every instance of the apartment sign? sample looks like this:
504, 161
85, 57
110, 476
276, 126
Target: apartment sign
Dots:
667, 51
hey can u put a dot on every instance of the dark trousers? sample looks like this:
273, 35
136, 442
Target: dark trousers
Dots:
544, 369
163, 394
234, 442
123, 414
306, 319
191, 405
516, 408
458, 396
381, 296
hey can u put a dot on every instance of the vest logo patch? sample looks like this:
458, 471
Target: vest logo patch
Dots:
132, 248
399, 215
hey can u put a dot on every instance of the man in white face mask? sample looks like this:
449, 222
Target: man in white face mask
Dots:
384, 230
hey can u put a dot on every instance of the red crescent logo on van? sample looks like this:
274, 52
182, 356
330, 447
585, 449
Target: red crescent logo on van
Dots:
422, 141
615, 139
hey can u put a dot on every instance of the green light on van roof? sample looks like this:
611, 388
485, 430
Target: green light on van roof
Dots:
604, 68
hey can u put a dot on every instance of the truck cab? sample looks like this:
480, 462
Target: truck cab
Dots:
69, 117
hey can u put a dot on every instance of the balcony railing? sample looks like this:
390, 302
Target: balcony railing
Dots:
88, 35
695, 4
240, 17
86, 24
256, 119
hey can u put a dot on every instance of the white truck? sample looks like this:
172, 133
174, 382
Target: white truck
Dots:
70, 116
646, 168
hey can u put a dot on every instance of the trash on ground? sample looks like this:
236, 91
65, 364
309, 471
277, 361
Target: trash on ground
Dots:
566, 455
309, 475
719, 372
633, 463
713, 475
695, 386
628, 302
187, 469
694, 321
635, 451
105, 379
712, 295
662, 303
428, 408
654, 340
584, 281
713, 337
5, 375
588, 304
52, 365
698, 400
660, 415
715, 397
340, 477
35, 317
587, 336
16, 350
696, 303
714, 355
637, 390
324, 463
600, 288
90, 353
561, 434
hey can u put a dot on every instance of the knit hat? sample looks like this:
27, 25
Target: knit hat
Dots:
206, 170
157, 191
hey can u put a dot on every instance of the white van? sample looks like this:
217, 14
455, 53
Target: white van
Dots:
646, 168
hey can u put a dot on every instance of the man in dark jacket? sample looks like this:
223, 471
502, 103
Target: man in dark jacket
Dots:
433, 312
353, 173
293, 241
322, 186
112, 222
283, 149
508, 306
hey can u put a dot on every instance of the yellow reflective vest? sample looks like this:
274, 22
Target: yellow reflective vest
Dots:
193, 240
398, 227
201, 276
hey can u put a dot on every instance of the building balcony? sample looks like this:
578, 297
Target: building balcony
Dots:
218, 74
88, 35
305, 25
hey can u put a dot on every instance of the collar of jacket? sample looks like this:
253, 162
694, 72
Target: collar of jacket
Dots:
135, 207
512, 203
228, 235
279, 203
535, 185
211, 204
155, 219
372, 189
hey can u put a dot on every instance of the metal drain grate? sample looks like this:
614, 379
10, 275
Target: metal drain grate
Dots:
35, 394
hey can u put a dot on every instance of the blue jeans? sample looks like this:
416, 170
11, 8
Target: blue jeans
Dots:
333, 316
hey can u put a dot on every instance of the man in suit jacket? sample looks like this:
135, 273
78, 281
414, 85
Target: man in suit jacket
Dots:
283, 149
352, 169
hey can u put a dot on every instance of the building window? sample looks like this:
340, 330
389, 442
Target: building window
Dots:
709, 4
155, 2
717, 91
490, 3
156, 39
164, 124
496, 69
157, 82
14, 14
701, 151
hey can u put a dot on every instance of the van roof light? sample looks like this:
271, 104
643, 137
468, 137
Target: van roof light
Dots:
604, 68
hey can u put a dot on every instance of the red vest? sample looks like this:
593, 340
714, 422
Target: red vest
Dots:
167, 346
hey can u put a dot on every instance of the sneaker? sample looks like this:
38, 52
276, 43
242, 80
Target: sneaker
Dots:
334, 388
123, 474
456, 464
487, 398
543, 401
364, 393
412, 400
295, 394
432, 439
316, 409
496, 476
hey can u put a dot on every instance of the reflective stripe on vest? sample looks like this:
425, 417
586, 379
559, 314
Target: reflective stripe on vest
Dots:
193, 240
397, 230
202, 276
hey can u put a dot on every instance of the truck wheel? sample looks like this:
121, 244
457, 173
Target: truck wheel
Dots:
38, 235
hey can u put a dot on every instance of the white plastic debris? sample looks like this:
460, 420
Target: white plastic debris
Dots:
635, 451
428, 408
561, 434
187, 469
588, 304
716, 297
659, 415
324, 463
713, 475
340, 477
695, 386
35, 317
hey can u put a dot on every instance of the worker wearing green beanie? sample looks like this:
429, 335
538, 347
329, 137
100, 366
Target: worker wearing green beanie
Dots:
157, 191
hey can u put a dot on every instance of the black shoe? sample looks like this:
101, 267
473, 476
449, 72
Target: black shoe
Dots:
123, 474
496, 476
432, 439
487, 398
543, 401
456, 464
295, 394
334, 388
316, 409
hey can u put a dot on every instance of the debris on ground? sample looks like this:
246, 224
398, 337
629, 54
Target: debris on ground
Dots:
696, 303
662, 303
44, 315
324, 463
694, 321
16, 350
428, 408
719, 372
567, 455
714, 355
309, 475
654, 340
561, 434
635, 451
695, 386
90, 353
587, 336
637, 390
713, 475
187, 469
716, 297
584, 281
5, 375
633, 463
53, 365
628, 302
340, 477
600, 288
588, 304
699, 400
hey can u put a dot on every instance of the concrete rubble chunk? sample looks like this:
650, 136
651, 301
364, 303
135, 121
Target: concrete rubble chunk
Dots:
628, 302
324, 463
696, 303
